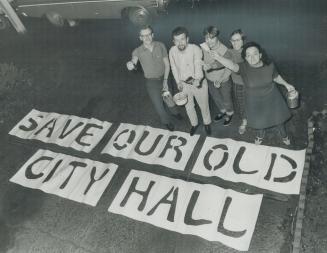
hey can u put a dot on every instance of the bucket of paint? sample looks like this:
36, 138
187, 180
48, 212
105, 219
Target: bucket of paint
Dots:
180, 98
293, 99
168, 99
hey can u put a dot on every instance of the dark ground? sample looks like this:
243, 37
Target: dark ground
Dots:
81, 71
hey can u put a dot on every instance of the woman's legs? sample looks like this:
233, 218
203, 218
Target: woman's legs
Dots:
283, 133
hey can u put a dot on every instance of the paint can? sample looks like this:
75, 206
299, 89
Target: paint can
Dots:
293, 99
168, 99
180, 98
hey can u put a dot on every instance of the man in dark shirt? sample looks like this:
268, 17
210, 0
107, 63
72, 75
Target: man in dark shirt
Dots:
154, 61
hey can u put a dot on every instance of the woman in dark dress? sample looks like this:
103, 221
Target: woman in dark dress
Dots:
265, 106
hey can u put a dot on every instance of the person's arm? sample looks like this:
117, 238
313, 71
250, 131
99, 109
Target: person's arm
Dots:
198, 73
132, 63
278, 79
225, 76
166, 74
224, 61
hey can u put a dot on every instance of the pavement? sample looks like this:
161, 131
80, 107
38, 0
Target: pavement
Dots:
82, 72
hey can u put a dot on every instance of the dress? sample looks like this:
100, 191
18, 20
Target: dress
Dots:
264, 104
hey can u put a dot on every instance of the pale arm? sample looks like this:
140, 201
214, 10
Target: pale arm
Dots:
281, 81
224, 61
166, 74
132, 63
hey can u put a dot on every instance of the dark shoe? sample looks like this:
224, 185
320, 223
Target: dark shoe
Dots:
178, 116
170, 126
219, 116
227, 120
193, 129
207, 128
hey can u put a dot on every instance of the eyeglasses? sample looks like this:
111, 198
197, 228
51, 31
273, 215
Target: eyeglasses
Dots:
146, 35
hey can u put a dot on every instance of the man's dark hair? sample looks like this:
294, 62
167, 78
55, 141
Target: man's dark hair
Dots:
145, 27
264, 57
179, 30
211, 31
238, 31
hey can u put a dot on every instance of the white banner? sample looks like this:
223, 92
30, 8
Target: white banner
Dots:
81, 180
64, 130
270, 168
205, 210
152, 145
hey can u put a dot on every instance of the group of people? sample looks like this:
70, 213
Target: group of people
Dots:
213, 70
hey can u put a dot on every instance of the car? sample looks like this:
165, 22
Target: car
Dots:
61, 12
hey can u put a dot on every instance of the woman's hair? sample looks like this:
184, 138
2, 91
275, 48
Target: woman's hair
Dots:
264, 57
211, 31
240, 32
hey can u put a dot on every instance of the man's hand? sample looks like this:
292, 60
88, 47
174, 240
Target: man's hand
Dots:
180, 85
217, 84
196, 83
130, 65
214, 54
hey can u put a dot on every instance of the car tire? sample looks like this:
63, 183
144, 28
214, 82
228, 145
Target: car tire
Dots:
55, 19
139, 16
4, 22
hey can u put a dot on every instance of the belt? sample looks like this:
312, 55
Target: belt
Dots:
155, 78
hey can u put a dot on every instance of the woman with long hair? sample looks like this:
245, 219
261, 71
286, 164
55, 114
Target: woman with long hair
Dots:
265, 106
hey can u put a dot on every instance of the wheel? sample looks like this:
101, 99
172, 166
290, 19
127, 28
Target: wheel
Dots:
55, 19
139, 16
4, 22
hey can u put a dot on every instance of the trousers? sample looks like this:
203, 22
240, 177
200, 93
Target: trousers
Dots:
154, 89
202, 98
222, 96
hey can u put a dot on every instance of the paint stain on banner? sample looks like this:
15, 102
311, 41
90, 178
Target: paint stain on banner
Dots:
205, 210
77, 179
64, 130
152, 145
270, 168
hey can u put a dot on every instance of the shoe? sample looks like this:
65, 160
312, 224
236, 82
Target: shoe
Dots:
219, 116
178, 116
207, 128
227, 120
286, 141
193, 129
170, 126
258, 140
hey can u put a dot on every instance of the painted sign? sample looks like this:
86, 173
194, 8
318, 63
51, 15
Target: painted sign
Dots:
64, 130
270, 168
205, 210
77, 179
152, 145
